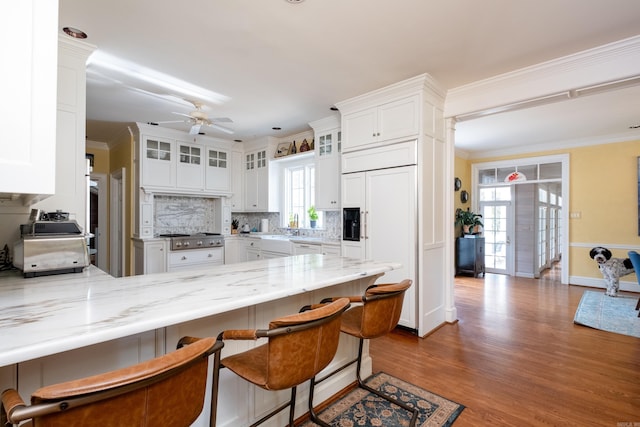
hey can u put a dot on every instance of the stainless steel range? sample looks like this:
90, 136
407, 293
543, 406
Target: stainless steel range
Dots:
188, 251
181, 242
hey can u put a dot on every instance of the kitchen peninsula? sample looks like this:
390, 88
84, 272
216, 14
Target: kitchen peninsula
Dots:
50, 324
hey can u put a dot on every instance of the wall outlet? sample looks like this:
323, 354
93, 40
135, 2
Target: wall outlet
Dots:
575, 215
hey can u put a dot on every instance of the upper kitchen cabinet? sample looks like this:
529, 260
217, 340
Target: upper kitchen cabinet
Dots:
236, 201
391, 121
328, 137
158, 168
34, 85
189, 167
169, 164
217, 169
261, 177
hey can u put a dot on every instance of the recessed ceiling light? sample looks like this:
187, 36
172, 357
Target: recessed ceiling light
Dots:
237, 140
294, 1
75, 33
276, 128
334, 108
634, 127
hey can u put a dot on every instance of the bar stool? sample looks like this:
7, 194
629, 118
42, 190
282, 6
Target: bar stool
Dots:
166, 391
298, 347
377, 313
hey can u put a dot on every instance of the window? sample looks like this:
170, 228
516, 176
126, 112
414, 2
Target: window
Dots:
299, 190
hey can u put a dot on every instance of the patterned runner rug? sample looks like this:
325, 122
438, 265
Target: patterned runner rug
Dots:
361, 408
612, 314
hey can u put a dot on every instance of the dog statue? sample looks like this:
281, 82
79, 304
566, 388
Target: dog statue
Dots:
612, 269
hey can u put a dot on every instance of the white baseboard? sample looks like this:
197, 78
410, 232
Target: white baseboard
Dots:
625, 285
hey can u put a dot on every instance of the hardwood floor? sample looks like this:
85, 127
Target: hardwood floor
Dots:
515, 358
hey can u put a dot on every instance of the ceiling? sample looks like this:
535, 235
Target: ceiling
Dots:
280, 63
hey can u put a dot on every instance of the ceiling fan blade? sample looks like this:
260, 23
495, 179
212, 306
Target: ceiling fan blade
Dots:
195, 129
221, 128
222, 119
172, 121
182, 114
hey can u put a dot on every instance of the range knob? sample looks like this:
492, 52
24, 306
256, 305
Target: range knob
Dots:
178, 244
186, 244
199, 243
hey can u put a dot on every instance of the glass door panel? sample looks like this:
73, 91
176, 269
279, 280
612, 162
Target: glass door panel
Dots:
495, 217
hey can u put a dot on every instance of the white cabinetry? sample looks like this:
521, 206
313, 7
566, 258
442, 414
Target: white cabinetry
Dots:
251, 250
394, 120
171, 165
237, 181
306, 248
328, 137
150, 256
71, 164
392, 139
388, 214
28, 86
189, 167
256, 181
217, 170
190, 259
232, 249
331, 250
158, 166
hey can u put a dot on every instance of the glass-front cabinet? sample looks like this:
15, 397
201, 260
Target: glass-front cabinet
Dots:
328, 136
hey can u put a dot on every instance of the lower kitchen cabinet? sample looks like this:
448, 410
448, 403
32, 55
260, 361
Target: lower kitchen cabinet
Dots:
306, 248
470, 256
193, 258
150, 255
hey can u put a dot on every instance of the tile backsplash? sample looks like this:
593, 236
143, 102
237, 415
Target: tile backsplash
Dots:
189, 215
330, 229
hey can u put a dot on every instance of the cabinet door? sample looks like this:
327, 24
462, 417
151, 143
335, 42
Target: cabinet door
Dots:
250, 182
304, 248
237, 182
155, 257
28, 86
353, 188
217, 170
256, 178
262, 182
157, 166
190, 171
353, 249
359, 128
398, 119
327, 196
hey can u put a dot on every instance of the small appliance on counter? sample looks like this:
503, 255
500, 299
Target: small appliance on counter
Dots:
50, 244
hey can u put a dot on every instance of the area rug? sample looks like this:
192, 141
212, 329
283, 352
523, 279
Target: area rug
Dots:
361, 408
612, 314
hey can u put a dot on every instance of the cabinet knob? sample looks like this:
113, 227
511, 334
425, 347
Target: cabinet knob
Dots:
183, 258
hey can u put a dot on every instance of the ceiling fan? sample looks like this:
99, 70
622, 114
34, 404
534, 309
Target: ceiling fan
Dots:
199, 118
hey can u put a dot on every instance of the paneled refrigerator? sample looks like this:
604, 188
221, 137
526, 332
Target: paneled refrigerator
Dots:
387, 203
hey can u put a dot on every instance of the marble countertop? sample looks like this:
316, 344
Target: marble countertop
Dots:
291, 238
46, 315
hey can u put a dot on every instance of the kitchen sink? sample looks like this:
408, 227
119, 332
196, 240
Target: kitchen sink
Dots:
276, 243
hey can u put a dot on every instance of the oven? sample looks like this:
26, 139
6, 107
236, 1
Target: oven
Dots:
189, 251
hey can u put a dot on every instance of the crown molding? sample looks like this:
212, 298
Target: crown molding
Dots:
633, 135
604, 64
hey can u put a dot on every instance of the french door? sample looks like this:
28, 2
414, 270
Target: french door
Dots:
496, 219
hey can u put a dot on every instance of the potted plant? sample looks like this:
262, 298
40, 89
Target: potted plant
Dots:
470, 221
234, 226
313, 216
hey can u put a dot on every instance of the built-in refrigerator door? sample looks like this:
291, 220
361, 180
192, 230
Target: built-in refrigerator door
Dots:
390, 229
